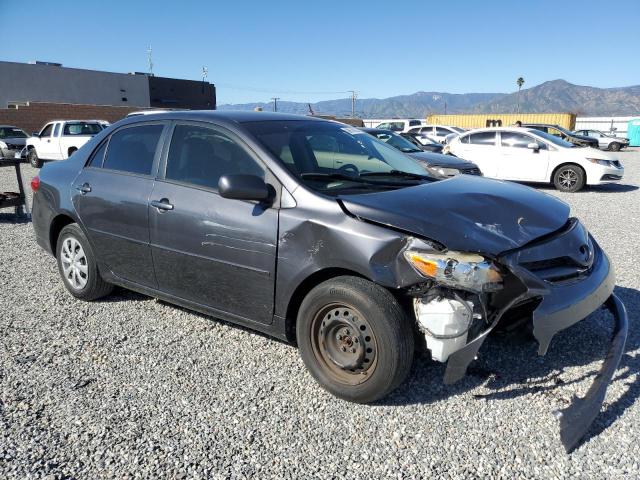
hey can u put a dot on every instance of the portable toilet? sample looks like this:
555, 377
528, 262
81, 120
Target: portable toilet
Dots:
633, 132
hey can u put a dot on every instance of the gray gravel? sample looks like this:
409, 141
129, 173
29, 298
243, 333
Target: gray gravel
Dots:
131, 387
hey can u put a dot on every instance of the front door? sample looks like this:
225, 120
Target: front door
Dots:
217, 252
46, 143
480, 148
518, 161
111, 196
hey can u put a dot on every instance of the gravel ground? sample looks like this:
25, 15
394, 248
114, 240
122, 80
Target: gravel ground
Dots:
130, 387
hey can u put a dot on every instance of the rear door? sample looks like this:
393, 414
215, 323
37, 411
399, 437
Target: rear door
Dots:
481, 149
519, 162
217, 252
111, 196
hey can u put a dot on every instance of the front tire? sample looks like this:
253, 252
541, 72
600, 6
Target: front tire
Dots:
615, 146
32, 156
569, 178
355, 339
77, 265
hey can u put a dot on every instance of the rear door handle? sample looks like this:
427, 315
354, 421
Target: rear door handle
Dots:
84, 188
162, 204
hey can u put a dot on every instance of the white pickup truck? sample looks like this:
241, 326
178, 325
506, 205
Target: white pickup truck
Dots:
59, 139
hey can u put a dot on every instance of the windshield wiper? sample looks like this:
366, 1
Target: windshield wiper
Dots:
331, 176
396, 173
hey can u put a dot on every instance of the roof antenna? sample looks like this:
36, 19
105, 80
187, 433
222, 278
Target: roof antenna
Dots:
150, 60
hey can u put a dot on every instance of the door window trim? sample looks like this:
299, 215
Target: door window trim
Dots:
156, 156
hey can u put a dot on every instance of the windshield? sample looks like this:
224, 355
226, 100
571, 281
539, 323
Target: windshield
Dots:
396, 141
12, 132
553, 139
333, 157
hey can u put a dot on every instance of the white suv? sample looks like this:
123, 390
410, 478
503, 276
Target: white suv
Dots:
399, 125
437, 133
529, 155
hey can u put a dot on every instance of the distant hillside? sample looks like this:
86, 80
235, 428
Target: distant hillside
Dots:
552, 96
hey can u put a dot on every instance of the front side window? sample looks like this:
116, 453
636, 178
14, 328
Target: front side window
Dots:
46, 131
201, 155
384, 126
515, 140
81, 128
132, 149
413, 123
482, 138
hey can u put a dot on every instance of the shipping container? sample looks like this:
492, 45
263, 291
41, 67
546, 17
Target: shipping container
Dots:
481, 120
613, 125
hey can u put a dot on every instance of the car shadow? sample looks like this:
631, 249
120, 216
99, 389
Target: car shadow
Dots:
18, 219
607, 188
510, 368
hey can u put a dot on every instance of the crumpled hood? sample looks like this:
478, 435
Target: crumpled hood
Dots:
466, 213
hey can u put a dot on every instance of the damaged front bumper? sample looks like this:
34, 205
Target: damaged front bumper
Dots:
569, 277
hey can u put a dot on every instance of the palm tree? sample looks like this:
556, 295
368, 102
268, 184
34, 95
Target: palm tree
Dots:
519, 82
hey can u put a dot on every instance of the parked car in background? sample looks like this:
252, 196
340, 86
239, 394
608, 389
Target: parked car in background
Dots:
399, 125
437, 133
12, 141
247, 217
436, 164
605, 141
59, 139
530, 155
428, 146
563, 133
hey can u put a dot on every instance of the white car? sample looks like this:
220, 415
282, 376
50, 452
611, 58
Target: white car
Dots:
437, 133
529, 155
59, 139
399, 125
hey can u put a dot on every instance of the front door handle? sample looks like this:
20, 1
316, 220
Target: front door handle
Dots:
162, 204
84, 188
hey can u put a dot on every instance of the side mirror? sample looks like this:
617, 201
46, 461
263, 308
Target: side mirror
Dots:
35, 134
534, 146
243, 187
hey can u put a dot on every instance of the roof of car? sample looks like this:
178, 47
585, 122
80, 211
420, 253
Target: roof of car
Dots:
502, 129
239, 116
377, 130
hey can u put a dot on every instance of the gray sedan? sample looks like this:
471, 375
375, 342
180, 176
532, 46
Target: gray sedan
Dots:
606, 141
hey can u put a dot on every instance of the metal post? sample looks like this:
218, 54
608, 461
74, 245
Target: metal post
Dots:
275, 103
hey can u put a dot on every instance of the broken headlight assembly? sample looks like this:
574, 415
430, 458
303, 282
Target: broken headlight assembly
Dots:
467, 271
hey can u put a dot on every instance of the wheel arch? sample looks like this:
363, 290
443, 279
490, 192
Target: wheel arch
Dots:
57, 224
304, 287
564, 164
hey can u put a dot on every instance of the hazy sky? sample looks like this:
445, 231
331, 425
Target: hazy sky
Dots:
312, 50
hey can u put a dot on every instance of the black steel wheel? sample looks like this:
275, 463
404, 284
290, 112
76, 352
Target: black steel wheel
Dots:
569, 178
354, 338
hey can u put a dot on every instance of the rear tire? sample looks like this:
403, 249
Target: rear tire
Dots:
32, 156
77, 265
71, 151
355, 339
569, 178
615, 146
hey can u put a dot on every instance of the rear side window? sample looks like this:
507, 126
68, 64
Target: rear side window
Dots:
482, 138
98, 156
81, 128
132, 149
515, 140
413, 123
201, 155
442, 132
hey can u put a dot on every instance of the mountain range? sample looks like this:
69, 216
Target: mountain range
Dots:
551, 96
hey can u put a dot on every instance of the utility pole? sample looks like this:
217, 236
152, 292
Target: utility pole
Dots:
353, 103
205, 73
150, 60
445, 107
275, 103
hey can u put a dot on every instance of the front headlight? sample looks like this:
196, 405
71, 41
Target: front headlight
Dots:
598, 161
442, 172
457, 269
